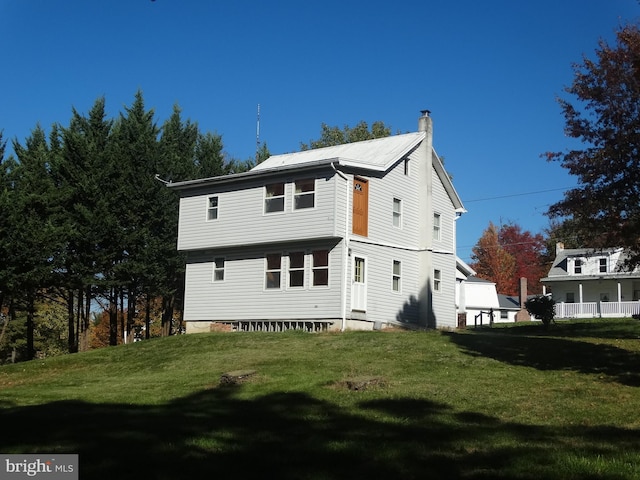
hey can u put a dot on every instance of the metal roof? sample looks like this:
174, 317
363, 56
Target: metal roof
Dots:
375, 155
378, 154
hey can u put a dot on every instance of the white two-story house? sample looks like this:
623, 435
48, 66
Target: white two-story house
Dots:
355, 236
588, 282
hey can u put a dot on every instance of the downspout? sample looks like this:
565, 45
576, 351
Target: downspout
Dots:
345, 253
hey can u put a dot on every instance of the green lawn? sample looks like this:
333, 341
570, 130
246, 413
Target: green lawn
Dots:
511, 402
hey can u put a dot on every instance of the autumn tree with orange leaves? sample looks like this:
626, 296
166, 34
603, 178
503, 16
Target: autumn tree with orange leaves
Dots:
492, 261
506, 254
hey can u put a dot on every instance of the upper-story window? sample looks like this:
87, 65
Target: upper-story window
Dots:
212, 208
397, 212
274, 198
603, 265
305, 194
406, 167
436, 226
577, 266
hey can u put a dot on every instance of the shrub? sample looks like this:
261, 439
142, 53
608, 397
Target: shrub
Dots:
542, 307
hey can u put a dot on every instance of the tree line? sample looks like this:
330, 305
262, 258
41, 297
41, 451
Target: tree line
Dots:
85, 221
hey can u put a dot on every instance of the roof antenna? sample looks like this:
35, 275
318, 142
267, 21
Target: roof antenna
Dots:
258, 133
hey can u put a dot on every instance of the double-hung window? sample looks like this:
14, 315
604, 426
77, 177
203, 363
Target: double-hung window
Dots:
218, 269
212, 208
296, 269
397, 212
577, 266
437, 279
305, 194
274, 198
320, 267
273, 270
436, 226
603, 265
396, 276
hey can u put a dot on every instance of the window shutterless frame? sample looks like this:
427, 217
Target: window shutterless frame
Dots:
397, 213
320, 268
273, 271
218, 269
274, 194
212, 208
296, 261
304, 195
396, 275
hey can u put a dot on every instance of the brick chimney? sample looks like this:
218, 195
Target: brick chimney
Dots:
559, 247
523, 315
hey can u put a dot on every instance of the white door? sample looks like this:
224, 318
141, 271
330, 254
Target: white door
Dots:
359, 285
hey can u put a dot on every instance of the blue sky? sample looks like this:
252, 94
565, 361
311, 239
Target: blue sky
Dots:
489, 71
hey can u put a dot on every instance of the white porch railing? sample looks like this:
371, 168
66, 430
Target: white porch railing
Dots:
597, 309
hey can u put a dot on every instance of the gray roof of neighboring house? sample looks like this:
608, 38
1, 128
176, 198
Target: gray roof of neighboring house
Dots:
508, 302
475, 279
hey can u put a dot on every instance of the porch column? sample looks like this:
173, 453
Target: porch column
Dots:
619, 292
580, 292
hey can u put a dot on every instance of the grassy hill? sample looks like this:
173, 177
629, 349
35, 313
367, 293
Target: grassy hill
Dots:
512, 402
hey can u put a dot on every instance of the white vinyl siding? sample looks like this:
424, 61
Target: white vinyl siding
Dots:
444, 300
382, 192
242, 295
444, 208
244, 213
384, 304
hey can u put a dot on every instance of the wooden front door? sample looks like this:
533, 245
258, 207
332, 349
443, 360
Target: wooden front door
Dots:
360, 207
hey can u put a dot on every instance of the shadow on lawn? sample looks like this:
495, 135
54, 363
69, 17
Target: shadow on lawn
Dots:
546, 353
623, 329
217, 434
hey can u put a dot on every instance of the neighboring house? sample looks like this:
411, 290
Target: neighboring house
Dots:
356, 236
588, 282
477, 300
509, 307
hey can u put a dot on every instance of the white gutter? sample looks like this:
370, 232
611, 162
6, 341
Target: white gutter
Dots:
345, 253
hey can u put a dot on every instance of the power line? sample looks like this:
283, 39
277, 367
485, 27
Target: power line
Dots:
516, 195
